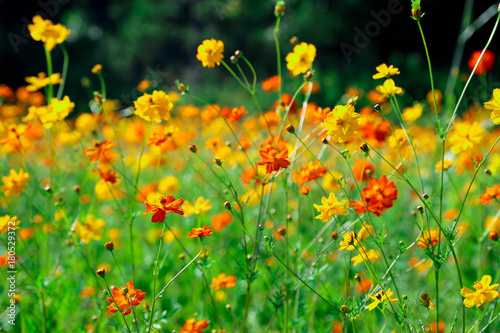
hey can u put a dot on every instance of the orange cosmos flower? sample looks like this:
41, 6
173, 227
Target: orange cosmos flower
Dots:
429, 239
221, 221
273, 159
490, 193
223, 281
234, 114
378, 196
12, 137
200, 232
286, 99
305, 190
193, 326
100, 152
362, 170
318, 115
271, 84
309, 172
123, 298
486, 64
167, 205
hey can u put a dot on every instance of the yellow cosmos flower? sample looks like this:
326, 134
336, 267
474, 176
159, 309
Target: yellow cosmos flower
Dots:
301, 59
48, 115
349, 241
384, 71
155, 107
465, 137
330, 206
484, 292
40, 81
365, 231
92, 229
389, 88
15, 183
381, 297
412, 113
47, 32
7, 222
371, 255
494, 106
446, 165
200, 207
210, 52
342, 123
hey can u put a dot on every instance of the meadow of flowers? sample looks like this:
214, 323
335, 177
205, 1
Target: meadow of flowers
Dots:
377, 214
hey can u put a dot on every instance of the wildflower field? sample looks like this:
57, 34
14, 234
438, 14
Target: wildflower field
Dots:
262, 210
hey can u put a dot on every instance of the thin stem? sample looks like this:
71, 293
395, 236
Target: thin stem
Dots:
64, 71
154, 277
278, 56
50, 90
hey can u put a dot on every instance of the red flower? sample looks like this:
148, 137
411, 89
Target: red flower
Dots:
193, 326
275, 160
486, 64
200, 232
378, 196
167, 205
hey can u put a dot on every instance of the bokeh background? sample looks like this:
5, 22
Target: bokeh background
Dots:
157, 40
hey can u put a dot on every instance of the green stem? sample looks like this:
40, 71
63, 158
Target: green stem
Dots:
278, 56
50, 90
155, 273
64, 71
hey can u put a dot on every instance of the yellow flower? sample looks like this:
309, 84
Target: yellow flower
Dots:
410, 114
465, 136
446, 165
329, 207
92, 229
371, 255
50, 114
200, 207
301, 59
494, 106
349, 241
380, 297
47, 32
342, 123
6, 221
365, 231
40, 81
484, 292
210, 52
384, 71
169, 184
15, 183
389, 88
96, 69
153, 107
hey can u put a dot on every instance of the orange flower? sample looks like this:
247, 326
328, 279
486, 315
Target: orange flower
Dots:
123, 298
248, 175
234, 114
378, 196
309, 172
305, 190
486, 64
167, 205
12, 137
490, 193
364, 285
100, 152
223, 281
273, 159
193, 326
429, 239
362, 170
286, 99
221, 221
271, 84
200, 232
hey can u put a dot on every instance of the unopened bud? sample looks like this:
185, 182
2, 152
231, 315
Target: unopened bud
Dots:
109, 246
218, 161
101, 272
193, 148
309, 75
420, 209
335, 235
76, 188
294, 40
238, 54
290, 128
425, 196
487, 171
357, 277
344, 309
181, 87
47, 189
377, 107
227, 205
364, 147
181, 256
233, 59
228, 306
279, 9
98, 97
493, 235
97, 69
324, 141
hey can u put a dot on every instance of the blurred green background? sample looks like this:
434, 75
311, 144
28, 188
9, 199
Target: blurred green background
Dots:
157, 40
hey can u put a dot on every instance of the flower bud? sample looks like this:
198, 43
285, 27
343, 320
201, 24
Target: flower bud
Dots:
279, 9
101, 272
76, 188
228, 306
218, 161
294, 40
181, 87
97, 69
290, 128
227, 205
109, 246
324, 141
344, 309
487, 171
335, 235
357, 277
416, 10
181, 256
309, 75
238, 54
493, 235
364, 147
420, 209
377, 107
193, 148
425, 196
233, 59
